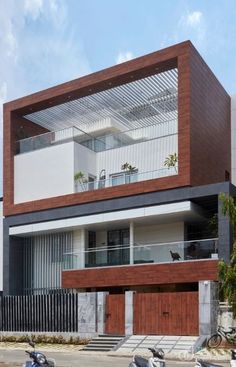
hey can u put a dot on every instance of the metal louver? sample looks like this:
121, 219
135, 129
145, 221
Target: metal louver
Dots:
140, 103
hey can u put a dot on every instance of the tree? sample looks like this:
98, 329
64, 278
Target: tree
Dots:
227, 271
171, 161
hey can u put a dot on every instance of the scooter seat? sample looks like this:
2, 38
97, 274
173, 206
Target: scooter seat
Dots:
208, 364
140, 361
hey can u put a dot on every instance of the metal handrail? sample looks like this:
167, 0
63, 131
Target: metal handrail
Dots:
136, 245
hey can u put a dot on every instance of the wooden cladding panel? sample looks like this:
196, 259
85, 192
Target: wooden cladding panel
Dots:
181, 272
166, 313
115, 314
210, 125
92, 196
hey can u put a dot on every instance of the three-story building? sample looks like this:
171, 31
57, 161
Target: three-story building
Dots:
111, 182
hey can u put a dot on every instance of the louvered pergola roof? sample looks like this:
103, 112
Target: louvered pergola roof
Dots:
140, 103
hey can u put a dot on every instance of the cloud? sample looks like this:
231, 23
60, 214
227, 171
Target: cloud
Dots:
124, 56
33, 8
39, 48
3, 95
194, 19
11, 44
191, 25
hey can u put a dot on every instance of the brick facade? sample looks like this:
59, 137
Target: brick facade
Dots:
188, 272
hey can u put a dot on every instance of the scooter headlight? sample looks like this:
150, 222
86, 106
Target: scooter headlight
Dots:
41, 358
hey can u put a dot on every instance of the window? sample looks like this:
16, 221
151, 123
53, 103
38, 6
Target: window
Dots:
121, 178
91, 182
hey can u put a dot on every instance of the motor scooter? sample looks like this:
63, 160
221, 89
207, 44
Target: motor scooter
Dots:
200, 363
38, 359
157, 359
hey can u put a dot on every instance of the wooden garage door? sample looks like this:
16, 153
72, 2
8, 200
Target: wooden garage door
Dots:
166, 313
115, 314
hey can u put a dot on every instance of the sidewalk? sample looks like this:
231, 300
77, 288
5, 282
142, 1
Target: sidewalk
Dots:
219, 354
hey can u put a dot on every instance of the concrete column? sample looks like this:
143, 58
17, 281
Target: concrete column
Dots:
131, 242
12, 262
208, 307
224, 235
101, 312
87, 304
129, 297
6, 258
83, 242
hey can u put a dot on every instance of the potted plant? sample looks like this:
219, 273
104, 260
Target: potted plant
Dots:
80, 179
129, 170
171, 161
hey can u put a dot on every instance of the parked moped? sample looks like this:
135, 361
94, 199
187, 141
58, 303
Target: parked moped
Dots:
38, 359
157, 359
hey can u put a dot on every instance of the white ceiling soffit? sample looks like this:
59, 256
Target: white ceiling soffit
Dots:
182, 211
140, 103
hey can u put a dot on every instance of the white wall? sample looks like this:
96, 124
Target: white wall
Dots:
233, 138
44, 173
50, 171
85, 160
155, 234
1, 245
225, 316
146, 156
78, 248
159, 233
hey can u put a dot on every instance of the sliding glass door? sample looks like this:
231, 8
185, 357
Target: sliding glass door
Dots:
118, 246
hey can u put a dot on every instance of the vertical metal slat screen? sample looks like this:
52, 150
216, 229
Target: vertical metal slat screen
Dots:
43, 261
42, 312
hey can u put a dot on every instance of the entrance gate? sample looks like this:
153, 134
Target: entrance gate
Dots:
115, 314
174, 313
166, 313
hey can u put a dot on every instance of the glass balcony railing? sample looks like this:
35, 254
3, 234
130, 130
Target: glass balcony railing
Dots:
142, 254
98, 143
124, 178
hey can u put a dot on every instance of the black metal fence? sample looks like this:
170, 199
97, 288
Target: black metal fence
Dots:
45, 313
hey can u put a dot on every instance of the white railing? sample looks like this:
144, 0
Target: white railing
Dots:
101, 143
142, 254
124, 178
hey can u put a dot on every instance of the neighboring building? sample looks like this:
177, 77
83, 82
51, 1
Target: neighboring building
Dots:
129, 225
1, 246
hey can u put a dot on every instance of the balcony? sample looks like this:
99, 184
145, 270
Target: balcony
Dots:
95, 135
61, 154
99, 143
125, 178
158, 253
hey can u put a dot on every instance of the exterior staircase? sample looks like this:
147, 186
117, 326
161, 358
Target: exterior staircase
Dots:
104, 343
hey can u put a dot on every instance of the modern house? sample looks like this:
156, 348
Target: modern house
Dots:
111, 186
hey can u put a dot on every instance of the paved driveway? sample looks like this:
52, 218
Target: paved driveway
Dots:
79, 359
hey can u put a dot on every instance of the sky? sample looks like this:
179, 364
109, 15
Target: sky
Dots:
47, 42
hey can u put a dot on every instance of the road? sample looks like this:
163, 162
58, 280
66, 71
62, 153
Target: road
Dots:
77, 359
80, 359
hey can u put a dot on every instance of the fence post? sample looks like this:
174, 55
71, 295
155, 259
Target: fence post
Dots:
129, 312
87, 305
208, 307
101, 311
